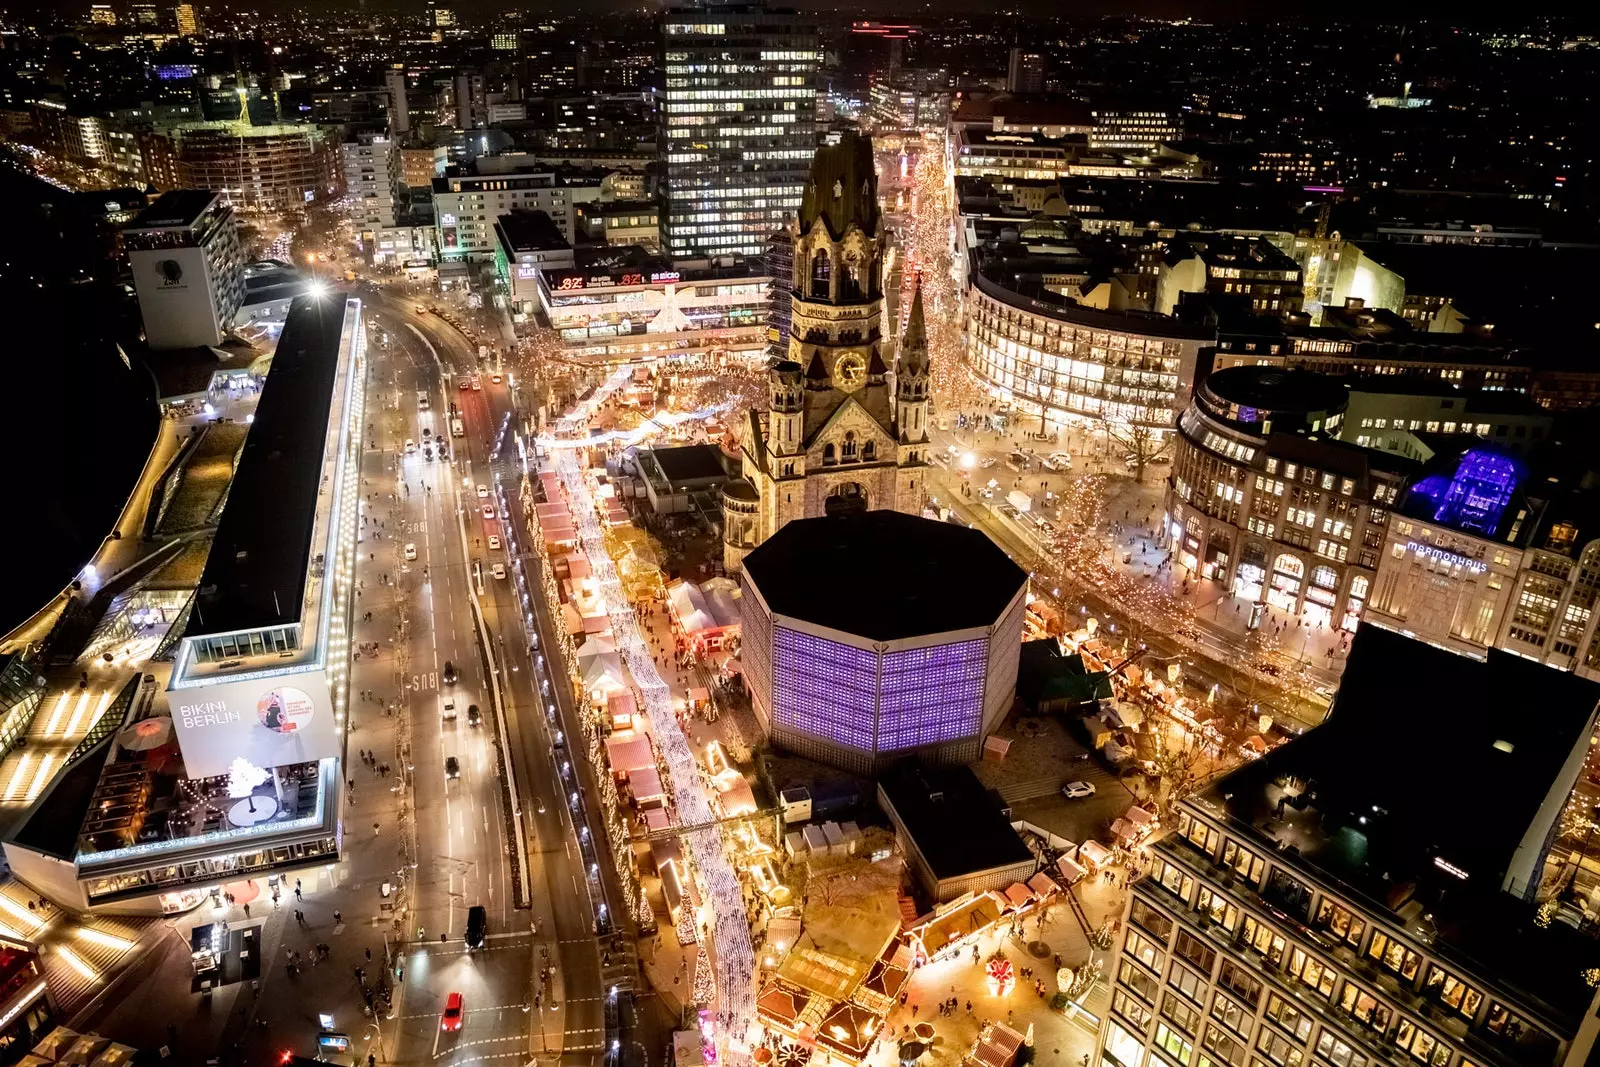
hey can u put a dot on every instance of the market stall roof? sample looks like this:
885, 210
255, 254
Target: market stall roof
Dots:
997, 1046
737, 799
1070, 871
604, 672
578, 569
630, 754
1018, 894
645, 784
1042, 884
657, 818
849, 1029
976, 914
55, 1044
782, 1003
710, 605
1095, 853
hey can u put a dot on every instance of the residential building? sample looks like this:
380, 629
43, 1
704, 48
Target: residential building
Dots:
371, 178
471, 101
739, 122
1266, 501
1314, 906
1395, 414
394, 83
419, 166
1025, 71
901, 671
188, 268
259, 169
1254, 268
1133, 125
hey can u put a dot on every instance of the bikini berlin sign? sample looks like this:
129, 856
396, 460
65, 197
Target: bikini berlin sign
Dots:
270, 721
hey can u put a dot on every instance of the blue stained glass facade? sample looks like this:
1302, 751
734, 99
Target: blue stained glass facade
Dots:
1475, 498
931, 695
853, 698
824, 688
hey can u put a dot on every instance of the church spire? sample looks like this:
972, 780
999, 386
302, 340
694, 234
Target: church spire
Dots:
914, 343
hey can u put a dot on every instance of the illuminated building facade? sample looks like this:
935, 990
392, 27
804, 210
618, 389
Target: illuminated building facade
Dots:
738, 123
1266, 501
923, 662
1481, 555
465, 206
1062, 362
653, 308
1313, 908
259, 169
835, 436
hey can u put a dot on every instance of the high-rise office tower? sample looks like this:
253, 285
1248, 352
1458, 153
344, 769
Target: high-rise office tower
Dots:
440, 16
1025, 73
145, 16
102, 15
738, 123
188, 20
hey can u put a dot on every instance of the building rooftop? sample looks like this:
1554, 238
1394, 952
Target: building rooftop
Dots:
529, 231
954, 822
256, 574
175, 208
1022, 109
1423, 788
1477, 491
690, 463
1255, 395
926, 577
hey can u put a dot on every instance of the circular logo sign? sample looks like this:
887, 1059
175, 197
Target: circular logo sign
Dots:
285, 710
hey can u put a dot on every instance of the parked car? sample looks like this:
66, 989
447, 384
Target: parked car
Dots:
411, 551
1077, 790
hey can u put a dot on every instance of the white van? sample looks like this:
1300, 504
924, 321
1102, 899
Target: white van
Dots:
456, 429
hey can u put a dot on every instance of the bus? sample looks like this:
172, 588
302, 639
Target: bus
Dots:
422, 400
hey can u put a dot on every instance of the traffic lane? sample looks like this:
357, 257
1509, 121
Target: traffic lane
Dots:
492, 981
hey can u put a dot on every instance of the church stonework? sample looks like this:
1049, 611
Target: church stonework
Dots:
834, 438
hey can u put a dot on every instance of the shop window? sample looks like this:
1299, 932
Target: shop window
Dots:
1122, 1047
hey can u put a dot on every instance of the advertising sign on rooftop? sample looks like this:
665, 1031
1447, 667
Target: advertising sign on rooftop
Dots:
271, 722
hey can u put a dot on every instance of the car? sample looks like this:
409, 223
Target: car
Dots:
452, 767
477, 926
1077, 790
990, 463
447, 709
496, 378
444, 453
449, 673
411, 446
419, 309
488, 511
494, 542
474, 716
483, 492
411, 551
427, 432
498, 570
466, 383
454, 1008
427, 454
476, 384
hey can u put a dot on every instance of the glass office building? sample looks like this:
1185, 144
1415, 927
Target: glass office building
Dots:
738, 123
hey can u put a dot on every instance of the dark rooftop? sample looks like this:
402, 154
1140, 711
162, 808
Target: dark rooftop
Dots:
256, 573
529, 231
1268, 391
926, 577
952, 819
690, 463
176, 207
1428, 765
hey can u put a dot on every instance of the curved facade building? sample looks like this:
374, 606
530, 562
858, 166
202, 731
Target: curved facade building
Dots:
1066, 363
257, 168
1263, 499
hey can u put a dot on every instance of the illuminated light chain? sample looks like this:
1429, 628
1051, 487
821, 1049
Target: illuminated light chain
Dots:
687, 933
643, 914
705, 988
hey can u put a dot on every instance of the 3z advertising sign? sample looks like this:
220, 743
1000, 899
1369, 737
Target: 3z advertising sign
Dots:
271, 722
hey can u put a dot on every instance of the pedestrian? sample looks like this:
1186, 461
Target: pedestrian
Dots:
338, 918
369, 955
247, 909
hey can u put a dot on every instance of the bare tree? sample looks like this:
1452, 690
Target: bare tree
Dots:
1143, 443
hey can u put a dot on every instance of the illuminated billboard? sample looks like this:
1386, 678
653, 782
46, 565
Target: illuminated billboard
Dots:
270, 721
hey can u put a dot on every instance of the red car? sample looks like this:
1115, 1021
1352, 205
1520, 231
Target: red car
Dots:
454, 1009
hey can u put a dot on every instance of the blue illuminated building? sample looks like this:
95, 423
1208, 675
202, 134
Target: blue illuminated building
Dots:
1474, 499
